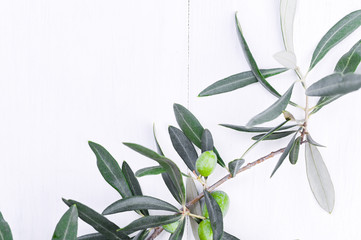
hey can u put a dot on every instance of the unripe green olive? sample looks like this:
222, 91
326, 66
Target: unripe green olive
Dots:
171, 227
206, 163
205, 230
223, 201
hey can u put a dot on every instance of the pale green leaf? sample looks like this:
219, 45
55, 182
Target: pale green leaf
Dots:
349, 61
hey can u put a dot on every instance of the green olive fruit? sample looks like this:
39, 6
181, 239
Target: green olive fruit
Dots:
171, 227
223, 201
206, 163
205, 230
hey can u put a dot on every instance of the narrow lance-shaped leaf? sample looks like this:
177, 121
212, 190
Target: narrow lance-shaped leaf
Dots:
215, 215
273, 111
274, 136
284, 155
97, 221
266, 135
287, 15
133, 184
295, 150
149, 222
170, 167
142, 235
313, 142
149, 171
207, 141
67, 227
93, 236
159, 149
237, 81
184, 147
335, 84
336, 34
5, 231
349, 61
178, 233
254, 129
192, 193
286, 59
192, 128
234, 166
110, 170
138, 203
171, 187
319, 178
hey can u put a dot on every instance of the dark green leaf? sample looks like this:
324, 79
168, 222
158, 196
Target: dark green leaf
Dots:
133, 183
254, 129
349, 61
266, 135
273, 111
150, 222
274, 136
237, 81
178, 233
335, 84
313, 142
159, 149
215, 215
93, 236
192, 128
184, 147
141, 235
284, 155
138, 203
295, 150
5, 231
234, 166
170, 167
319, 178
171, 187
227, 236
207, 141
336, 34
149, 171
97, 221
67, 227
110, 170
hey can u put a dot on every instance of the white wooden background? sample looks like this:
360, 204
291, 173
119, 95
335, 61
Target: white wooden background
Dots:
76, 70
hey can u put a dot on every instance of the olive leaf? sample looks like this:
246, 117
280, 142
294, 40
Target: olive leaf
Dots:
335, 84
273, 111
293, 156
206, 141
67, 227
287, 16
192, 128
215, 215
93, 236
142, 235
349, 61
138, 203
234, 166
159, 149
319, 178
170, 167
149, 222
171, 187
178, 233
5, 231
336, 34
192, 193
254, 129
237, 81
286, 59
284, 154
183, 147
274, 136
149, 171
110, 170
313, 142
97, 221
